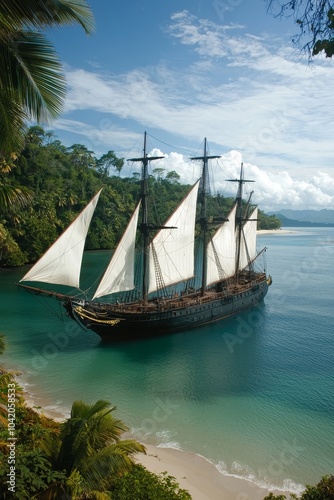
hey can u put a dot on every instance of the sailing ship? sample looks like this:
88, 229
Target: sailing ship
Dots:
184, 282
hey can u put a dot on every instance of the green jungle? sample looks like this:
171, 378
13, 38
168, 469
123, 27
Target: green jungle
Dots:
59, 181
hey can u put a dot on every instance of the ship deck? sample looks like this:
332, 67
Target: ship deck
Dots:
179, 301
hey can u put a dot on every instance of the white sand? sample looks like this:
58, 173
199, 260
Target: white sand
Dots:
275, 231
198, 476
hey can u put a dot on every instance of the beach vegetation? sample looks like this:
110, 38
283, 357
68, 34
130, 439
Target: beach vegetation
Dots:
140, 484
90, 450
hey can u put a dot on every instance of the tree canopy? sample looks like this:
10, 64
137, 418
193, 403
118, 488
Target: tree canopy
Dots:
315, 21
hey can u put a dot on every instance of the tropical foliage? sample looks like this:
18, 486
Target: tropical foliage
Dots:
140, 484
89, 451
32, 83
63, 180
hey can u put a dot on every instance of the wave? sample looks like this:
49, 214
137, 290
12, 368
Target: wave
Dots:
58, 410
241, 471
166, 439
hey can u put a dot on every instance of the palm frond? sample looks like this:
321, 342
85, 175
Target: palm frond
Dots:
84, 432
3, 344
103, 465
14, 197
129, 446
80, 409
51, 446
34, 74
37, 14
12, 120
100, 495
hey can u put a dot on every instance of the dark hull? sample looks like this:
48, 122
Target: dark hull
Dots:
112, 323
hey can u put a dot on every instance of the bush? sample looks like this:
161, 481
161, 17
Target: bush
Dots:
141, 484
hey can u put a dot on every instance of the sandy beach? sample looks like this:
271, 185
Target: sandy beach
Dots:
193, 473
198, 476
274, 231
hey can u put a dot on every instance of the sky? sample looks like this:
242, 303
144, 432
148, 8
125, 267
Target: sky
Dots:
185, 70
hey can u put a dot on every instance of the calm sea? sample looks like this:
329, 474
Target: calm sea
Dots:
253, 394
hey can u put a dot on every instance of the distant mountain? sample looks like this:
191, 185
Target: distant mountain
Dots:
324, 216
305, 218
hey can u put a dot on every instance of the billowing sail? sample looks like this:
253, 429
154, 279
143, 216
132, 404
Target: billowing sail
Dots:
61, 264
171, 253
221, 251
248, 241
119, 275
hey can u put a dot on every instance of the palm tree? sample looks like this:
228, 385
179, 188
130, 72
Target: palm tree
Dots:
32, 84
90, 451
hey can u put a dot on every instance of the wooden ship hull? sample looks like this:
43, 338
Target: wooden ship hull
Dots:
117, 322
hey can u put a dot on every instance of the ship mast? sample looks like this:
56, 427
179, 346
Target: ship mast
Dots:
239, 216
203, 217
144, 227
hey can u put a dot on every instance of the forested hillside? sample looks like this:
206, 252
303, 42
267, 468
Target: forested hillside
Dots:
62, 180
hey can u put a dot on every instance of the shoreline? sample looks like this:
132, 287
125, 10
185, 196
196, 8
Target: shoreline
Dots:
200, 477
275, 231
194, 473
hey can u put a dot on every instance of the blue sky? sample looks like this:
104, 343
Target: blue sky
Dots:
184, 70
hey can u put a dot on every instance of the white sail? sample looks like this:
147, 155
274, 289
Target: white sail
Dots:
173, 249
61, 264
221, 251
248, 241
119, 275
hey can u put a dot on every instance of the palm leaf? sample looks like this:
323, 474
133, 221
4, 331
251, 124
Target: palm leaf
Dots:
90, 448
3, 344
95, 429
110, 461
83, 410
85, 432
12, 120
129, 447
34, 75
14, 196
37, 14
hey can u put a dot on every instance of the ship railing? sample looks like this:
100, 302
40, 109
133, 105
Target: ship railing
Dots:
184, 300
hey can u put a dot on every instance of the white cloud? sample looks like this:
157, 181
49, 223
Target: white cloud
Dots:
272, 191
240, 91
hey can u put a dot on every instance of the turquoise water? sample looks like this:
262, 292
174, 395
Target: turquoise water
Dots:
253, 394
